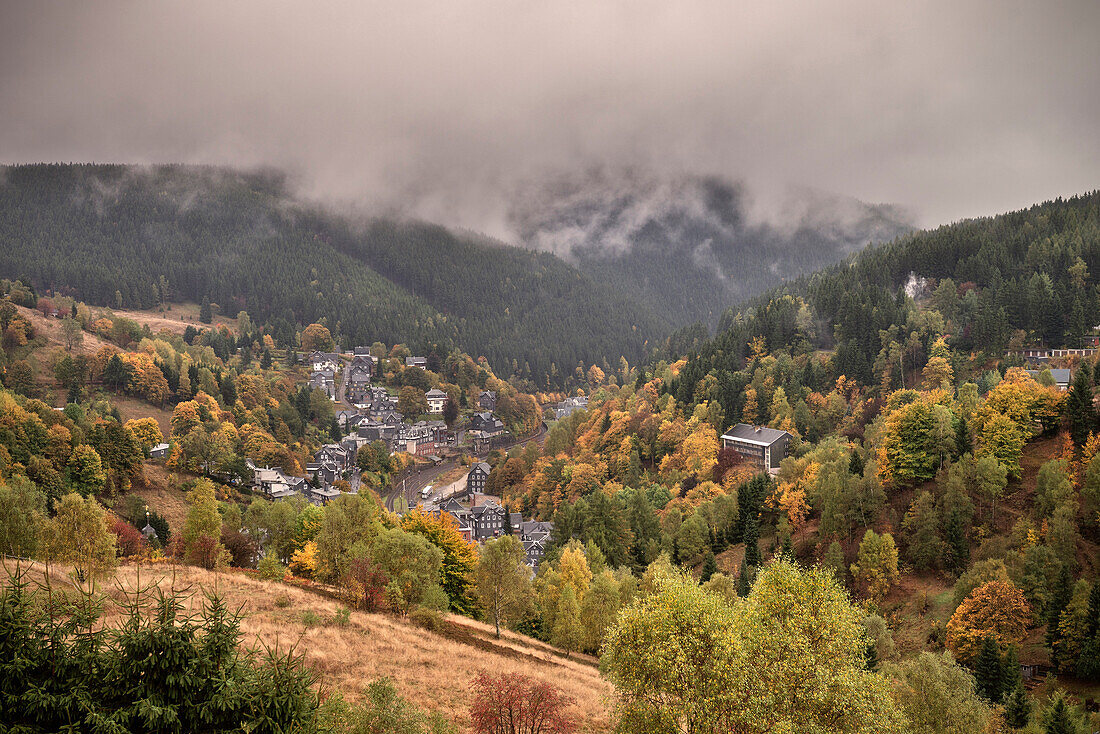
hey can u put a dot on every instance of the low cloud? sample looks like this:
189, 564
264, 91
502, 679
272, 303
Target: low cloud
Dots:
462, 113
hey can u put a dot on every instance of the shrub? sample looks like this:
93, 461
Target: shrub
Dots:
512, 703
271, 568
425, 618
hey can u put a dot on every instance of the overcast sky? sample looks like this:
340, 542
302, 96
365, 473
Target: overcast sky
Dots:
951, 108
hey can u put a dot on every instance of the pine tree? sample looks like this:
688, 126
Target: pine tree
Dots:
1060, 598
987, 671
855, 464
1010, 671
265, 359
787, 550
710, 567
1058, 720
206, 313
963, 444
958, 548
752, 541
744, 581
1079, 407
872, 656
1018, 708
1088, 662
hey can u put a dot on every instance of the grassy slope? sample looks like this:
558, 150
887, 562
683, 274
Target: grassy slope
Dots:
434, 671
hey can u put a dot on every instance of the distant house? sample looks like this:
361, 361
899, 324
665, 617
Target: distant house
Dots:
418, 440
357, 381
535, 536
487, 400
321, 495
160, 451
460, 515
763, 447
489, 520
325, 381
1062, 377
569, 406
436, 398
274, 483
476, 479
421, 362
486, 423
324, 361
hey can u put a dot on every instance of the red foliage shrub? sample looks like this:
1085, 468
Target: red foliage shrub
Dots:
130, 540
513, 703
364, 586
242, 549
203, 552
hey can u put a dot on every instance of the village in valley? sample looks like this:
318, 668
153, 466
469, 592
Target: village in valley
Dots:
443, 442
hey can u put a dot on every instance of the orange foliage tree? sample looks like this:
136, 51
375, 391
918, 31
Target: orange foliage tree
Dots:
996, 608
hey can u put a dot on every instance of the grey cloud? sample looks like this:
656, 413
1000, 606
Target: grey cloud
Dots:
447, 110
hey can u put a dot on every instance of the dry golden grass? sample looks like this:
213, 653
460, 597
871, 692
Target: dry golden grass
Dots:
163, 494
176, 319
433, 671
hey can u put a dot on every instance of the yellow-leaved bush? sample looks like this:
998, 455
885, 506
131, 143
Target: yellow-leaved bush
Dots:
788, 658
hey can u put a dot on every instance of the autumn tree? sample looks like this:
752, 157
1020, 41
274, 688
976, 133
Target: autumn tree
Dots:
411, 402
86, 473
996, 608
78, 534
459, 560
876, 567
412, 564
922, 534
937, 696
72, 333
146, 431
513, 703
22, 507
503, 582
316, 338
917, 437
789, 658
202, 529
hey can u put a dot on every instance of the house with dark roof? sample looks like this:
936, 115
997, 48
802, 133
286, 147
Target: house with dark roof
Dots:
758, 445
322, 495
275, 484
569, 406
1062, 377
487, 424
476, 479
160, 451
489, 520
357, 381
324, 361
487, 400
421, 362
436, 398
325, 381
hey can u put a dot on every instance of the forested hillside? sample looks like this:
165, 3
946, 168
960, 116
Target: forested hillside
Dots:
134, 237
1023, 278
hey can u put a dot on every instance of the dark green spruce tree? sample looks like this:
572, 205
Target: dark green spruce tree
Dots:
1079, 406
987, 671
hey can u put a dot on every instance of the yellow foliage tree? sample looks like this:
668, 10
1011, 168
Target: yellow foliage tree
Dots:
304, 561
146, 431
